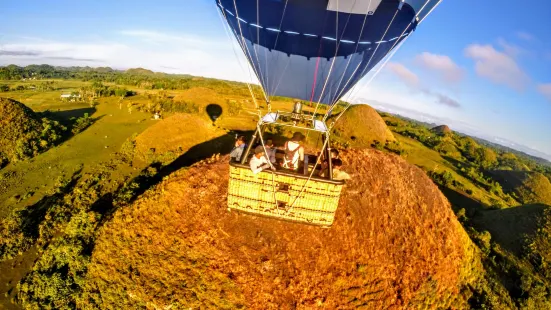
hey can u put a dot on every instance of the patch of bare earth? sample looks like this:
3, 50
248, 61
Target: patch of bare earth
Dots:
395, 244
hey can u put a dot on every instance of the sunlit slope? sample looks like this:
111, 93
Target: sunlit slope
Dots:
19, 125
176, 134
442, 130
362, 125
395, 244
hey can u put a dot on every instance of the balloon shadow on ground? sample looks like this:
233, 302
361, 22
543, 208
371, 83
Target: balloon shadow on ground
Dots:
214, 111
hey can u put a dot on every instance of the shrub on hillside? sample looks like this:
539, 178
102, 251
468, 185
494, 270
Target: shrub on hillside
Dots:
179, 106
24, 133
234, 107
81, 123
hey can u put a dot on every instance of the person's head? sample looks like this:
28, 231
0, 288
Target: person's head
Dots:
298, 137
334, 153
336, 163
240, 140
269, 143
259, 151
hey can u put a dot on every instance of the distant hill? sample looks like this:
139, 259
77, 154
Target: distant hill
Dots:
140, 71
537, 159
178, 245
442, 130
361, 125
530, 187
20, 129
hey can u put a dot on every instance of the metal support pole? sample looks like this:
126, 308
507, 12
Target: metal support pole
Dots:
248, 150
328, 156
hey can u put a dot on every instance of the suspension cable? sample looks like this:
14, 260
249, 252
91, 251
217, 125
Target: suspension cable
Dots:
386, 61
337, 45
370, 58
398, 41
246, 49
227, 30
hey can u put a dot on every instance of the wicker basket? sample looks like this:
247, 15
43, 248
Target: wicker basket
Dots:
274, 194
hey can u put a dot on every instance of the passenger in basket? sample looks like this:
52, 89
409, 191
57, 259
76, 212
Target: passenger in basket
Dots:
294, 152
338, 174
270, 151
237, 151
325, 164
259, 162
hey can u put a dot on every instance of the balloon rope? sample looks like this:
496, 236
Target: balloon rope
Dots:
309, 178
434, 7
337, 44
386, 61
274, 48
368, 62
314, 83
355, 50
246, 49
394, 44
261, 77
225, 25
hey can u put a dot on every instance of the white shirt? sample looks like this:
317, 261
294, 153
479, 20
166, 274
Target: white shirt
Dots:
298, 155
256, 163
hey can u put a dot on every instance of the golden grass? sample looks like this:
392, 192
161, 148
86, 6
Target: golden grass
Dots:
395, 244
363, 125
177, 133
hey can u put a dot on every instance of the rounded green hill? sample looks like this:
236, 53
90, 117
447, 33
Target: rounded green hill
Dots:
20, 128
529, 187
361, 126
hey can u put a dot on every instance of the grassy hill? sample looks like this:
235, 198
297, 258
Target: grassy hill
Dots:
442, 130
86, 225
140, 71
529, 187
24, 134
174, 136
361, 125
387, 249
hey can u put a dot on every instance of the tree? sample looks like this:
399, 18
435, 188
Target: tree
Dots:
485, 157
4, 88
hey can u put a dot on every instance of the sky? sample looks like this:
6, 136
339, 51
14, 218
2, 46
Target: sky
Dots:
481, 67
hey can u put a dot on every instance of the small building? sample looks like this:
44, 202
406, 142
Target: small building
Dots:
70, 97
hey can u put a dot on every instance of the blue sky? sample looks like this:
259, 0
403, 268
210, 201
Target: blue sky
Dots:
482, 67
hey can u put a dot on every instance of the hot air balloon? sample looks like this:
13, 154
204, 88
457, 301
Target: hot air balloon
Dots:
315, 51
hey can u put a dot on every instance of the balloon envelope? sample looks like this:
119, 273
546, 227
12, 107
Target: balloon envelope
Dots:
317, 50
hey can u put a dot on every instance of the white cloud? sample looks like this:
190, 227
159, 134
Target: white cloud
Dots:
545, 90
403, 73
412, 80
190, 41
510, 49
525, 36
60, 50
442, 64
497, 66
153, 50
